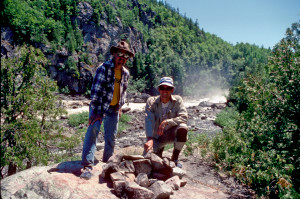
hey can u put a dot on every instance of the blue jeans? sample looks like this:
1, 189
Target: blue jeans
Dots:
110, 120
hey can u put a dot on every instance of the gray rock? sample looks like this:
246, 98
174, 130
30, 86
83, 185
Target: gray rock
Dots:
56, 181
138, 100
157, 162
174, 182
160, 175
126, 109
134, 191
116, 158
142, 166
127, 166
130, 177
117, 176
85, 11
119, 187
161, 190
142, 180
133, 157
108, 169
206, 104
178, 172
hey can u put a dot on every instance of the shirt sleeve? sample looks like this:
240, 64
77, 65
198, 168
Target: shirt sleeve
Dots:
182, 115
149, 118
97, 89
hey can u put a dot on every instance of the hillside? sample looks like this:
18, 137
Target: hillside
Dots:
76, 36
258, 142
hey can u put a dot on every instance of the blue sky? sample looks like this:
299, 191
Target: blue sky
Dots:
259, 22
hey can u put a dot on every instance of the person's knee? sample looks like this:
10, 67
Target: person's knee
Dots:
182, 134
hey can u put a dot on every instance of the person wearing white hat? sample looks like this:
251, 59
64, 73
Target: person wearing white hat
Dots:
166, 121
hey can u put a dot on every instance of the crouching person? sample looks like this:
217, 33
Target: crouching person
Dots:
166, 121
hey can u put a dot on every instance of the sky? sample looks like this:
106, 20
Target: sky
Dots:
259, 22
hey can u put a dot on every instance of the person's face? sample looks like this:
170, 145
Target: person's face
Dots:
165, 93
121, 57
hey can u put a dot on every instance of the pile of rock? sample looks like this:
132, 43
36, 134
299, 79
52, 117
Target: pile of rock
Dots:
143, 177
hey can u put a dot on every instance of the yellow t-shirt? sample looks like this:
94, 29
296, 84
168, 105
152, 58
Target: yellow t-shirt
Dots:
116, 95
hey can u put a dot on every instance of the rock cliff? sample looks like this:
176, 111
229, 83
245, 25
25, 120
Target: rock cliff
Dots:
97, 40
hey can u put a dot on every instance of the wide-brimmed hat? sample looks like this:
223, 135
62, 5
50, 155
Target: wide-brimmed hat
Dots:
166, 81
122, 45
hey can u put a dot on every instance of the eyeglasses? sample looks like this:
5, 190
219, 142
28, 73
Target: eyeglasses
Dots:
165, 88
121, 54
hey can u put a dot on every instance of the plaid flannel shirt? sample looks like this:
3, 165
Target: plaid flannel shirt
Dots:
103, 87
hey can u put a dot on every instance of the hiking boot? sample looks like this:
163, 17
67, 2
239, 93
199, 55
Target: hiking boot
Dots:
175, 158
178, 164
86, 173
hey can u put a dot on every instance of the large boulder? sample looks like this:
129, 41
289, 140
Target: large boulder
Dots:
62, 181
56, 181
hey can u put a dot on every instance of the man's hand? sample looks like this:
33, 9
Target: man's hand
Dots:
120, 112
148, 145
94, 118
160, 130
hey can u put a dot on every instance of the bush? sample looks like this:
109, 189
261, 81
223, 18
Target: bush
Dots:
196, 141
29, 108
227, 117
77, 119
262, 149
123, 122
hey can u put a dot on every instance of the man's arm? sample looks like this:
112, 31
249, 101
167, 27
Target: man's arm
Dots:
149, 118
182, 115
96, 95
149, 124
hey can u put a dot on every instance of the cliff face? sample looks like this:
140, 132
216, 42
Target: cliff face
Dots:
97, 40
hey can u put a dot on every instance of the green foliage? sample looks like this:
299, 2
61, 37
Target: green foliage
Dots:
196, 141
168, 146
138, 85
262, 149
123, 122
71, 67
227, 117
174, 44
29, 108
77, 119
64, 90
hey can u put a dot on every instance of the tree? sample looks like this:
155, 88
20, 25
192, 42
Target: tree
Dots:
29, 109
269, 124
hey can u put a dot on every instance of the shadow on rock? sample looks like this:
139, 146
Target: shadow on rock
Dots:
68, 167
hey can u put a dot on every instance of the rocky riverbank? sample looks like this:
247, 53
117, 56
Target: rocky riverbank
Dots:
62, 180
202, 113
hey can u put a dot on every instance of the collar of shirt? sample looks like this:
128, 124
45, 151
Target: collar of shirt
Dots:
158, 99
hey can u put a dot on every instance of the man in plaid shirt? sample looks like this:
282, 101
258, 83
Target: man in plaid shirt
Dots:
107, 97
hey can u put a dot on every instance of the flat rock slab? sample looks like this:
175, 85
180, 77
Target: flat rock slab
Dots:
62, 181
51, 182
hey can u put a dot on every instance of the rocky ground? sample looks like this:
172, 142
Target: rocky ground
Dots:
200, 173
62, 180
